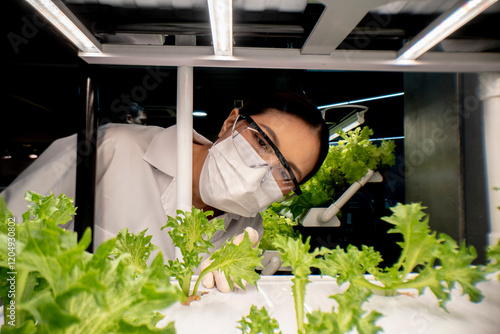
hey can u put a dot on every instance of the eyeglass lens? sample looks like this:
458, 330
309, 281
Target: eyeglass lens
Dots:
266, 151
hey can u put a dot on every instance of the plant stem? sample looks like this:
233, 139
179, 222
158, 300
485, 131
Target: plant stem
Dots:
186, 284
198, 281
416, 283
299, 292
361, 281
21, 281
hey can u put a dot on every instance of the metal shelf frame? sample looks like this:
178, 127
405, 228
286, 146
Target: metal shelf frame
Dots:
320, 52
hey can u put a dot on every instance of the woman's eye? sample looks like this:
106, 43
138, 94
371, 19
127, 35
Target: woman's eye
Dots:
264, 145
284, 174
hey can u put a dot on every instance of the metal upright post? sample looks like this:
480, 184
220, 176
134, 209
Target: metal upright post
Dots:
184, 137
489, 88
86, 155
184, 140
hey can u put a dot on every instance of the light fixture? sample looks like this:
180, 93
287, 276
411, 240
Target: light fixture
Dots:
199, 113
442, 27
33, 156
387, 138
6, 157
66, 22
221, 23
351, 121
380, 97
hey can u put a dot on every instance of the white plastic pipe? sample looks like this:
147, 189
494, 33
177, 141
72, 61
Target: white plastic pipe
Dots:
334, 209
273, 266
489, 87
184, 137
184, 141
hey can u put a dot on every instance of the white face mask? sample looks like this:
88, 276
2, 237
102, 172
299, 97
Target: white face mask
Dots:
228, 184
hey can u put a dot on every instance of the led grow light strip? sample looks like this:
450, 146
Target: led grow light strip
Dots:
442, 28
350, 123
362, 100
199, 113
387, 138
221, 23
65, 22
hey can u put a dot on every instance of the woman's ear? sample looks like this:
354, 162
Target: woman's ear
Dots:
228, 123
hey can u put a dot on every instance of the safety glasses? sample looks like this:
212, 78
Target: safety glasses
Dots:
271, 158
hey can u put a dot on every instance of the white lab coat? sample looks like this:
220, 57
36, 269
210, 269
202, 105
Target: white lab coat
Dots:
135, 183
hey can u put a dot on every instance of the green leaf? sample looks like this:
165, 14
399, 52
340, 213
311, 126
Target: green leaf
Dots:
419, 245
348, 315
127, 328
493, 259
136, 248
258, 322
351, 265
57, 210
456, 267
295, 253
347, 161
48, 313
191, 232
5, 215
27, 327
421, 252
61, 288
274, 225
238, 262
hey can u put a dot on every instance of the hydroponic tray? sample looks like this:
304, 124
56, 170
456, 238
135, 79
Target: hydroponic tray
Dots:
408, 313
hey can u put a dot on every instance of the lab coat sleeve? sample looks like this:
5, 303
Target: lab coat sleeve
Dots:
53, 171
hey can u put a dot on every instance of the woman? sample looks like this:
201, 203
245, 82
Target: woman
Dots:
264, 151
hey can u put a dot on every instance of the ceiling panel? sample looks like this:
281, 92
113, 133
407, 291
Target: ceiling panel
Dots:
337, 24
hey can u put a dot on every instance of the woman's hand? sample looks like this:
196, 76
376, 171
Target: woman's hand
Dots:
217, 278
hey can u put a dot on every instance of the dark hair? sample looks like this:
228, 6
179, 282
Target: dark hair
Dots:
294, 104
133, 109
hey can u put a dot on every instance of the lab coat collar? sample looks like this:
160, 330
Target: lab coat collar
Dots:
162, 151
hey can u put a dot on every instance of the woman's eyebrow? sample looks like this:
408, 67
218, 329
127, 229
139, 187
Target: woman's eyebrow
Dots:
270, 133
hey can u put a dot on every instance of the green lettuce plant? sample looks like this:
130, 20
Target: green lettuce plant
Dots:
258, 321
346, 162
426, 261
276, 225
191, 232
61, 288
296, 253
